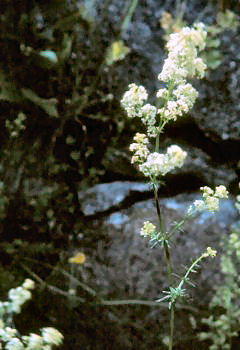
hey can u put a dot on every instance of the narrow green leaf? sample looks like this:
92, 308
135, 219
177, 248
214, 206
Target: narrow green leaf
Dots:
48, 105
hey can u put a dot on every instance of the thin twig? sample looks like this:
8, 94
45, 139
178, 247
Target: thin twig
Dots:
52, 288
104, 302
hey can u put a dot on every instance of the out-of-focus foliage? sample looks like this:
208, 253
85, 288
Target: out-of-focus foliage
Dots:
56, 89
224, 321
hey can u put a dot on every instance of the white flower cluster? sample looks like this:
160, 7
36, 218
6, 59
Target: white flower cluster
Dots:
10, 336
139, 148
148, 116
210, 252
210, 200
148, 229
133, 100
184, 97
178, 98
160, 164
182, 61
49, 337
18, 296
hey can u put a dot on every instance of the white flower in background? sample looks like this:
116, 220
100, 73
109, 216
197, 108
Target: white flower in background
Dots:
51, 336
18, 296
176, 156
210, 200
14, 344
221, 192
28, 284
34, 342
7, 333
133, 100
148, 229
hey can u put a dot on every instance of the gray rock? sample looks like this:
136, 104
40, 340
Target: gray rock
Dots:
102, 197
131, 268
200, 164
197, 163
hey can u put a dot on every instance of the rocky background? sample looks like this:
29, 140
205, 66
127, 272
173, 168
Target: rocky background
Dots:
67, 181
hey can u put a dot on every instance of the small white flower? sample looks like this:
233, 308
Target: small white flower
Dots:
14, 344
148, 114
18, 296
134, 99
210, 200
139, 148
221, 192
148, 229
160, 164
162, 93
51, 336
155, 165
182, 61
176, 156
212, 203
210, 252
199, 205
28, 284
207, 191
34, 342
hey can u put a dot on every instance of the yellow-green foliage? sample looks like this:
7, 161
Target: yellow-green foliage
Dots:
225, 305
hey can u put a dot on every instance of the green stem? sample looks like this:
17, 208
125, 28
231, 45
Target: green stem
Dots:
162, 121
191, 268
162, 230
168, 261
157, 143
155, 189
184, 279
171, 330
130, 11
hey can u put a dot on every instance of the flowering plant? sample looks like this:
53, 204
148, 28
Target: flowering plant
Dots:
10, 337
176, 98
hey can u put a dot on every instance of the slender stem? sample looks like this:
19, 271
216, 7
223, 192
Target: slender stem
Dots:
171, 330
162, 229
155, 189
168, 261
157, 143
130, 11
162, 120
